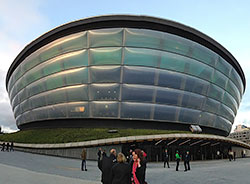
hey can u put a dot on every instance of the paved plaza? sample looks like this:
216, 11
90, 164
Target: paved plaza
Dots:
25, 168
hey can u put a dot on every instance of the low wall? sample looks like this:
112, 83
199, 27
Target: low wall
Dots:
70, 152
74, 149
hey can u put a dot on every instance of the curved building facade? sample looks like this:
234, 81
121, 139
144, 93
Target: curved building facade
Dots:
125, 71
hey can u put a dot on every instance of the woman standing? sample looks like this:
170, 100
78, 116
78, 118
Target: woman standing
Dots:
138, 166
120, 171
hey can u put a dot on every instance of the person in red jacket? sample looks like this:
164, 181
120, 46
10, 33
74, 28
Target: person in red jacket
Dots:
138, 167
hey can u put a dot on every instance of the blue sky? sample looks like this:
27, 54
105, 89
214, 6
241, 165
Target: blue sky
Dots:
226, 21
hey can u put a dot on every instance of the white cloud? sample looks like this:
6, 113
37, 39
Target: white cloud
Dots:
20, 23
6, 129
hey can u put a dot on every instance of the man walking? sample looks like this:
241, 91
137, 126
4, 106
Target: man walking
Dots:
3, 147
83, 156
105, 165
12, 146
178, 158
186, 161
166, 158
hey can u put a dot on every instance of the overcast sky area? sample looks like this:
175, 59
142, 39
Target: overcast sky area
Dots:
226, 21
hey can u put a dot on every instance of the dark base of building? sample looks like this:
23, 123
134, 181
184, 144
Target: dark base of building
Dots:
114, 123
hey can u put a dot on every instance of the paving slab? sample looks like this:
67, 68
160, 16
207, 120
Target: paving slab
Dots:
24, 168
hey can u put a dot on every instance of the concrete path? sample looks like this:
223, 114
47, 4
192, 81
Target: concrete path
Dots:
26, 168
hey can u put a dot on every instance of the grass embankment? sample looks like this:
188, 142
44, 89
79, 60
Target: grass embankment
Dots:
65, 135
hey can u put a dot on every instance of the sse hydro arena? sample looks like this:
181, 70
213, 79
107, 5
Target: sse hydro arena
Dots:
124, 71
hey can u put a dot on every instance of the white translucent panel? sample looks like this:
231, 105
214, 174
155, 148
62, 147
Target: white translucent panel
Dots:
207, 119
105, 56
166, 113
227, 113
196, 85
138, 75
137, 93
192, 100
12, 93
10, 83
189, 116
78, 109
76, 76
25, 106
187, 65
105, 74
75, 59
143, 38
211, 105
56, 96
233, 90
168, 96
215, 92
131, 110
219, 79
69, 43
23, 95
55, 81
15, 101
77, 93
223, 124
223, 66
234, 76
177, 44
30, 61
104, 109
17, 73
230, 102
142, 57
51, 66
20, 84
105, 37
27, 117
33, 75
17, 111
170, 79
57, 111
37, 87
104, 92
38, 100
19, 120
204, 54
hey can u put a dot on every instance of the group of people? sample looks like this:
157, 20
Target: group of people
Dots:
7, 146
116, 169
186, 160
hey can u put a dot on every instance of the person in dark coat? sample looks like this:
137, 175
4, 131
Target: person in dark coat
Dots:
105, 165
3, 147
12, 146
104, 153
166, 158
121, 171
99, 153
186, 161
7, 146
138, 168
130, 156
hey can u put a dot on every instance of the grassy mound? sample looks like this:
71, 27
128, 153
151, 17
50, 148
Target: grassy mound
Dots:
65, 135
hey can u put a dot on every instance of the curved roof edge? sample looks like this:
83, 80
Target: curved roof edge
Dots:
121, 140
131, 21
